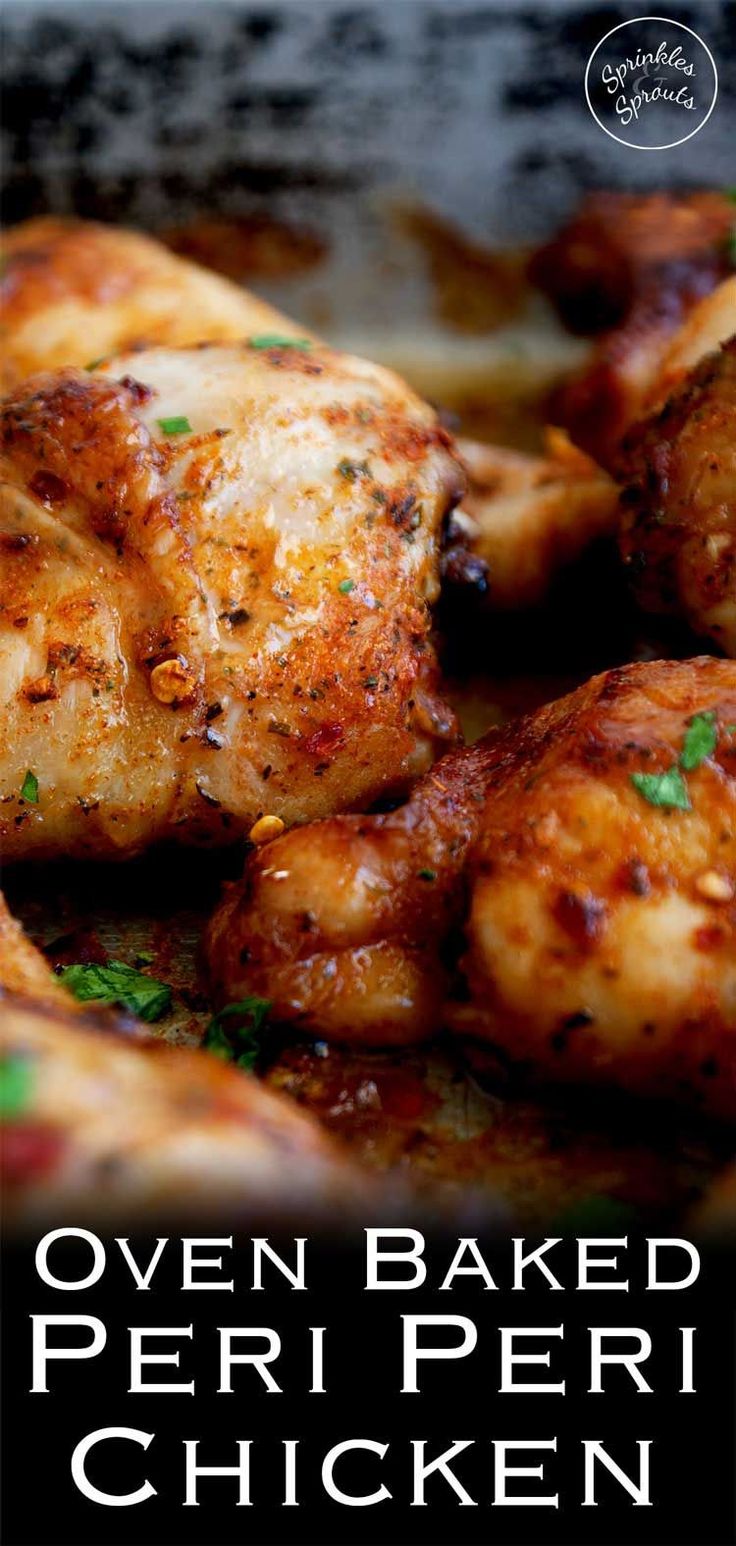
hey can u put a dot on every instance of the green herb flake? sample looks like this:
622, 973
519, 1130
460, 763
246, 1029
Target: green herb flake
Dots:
701, 739
427, 874
239, 1044
15, 1086
667, 790
117, 983
178, 425
346, 586
275, 341
93, 364
29, 789
353, 470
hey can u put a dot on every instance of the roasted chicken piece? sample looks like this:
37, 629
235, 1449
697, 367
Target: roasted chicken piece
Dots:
564, 890
678, 533
524, 518
72, 292
711, 323
100, 1122
217, 565
622, 249
633, 266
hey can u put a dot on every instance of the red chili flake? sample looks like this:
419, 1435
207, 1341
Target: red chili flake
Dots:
709, 938
139, 392
404, 1097
326, 739
582, 916
29, 1149
50, 489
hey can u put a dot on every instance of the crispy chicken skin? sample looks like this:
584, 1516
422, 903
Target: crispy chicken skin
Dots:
524, 518
113, 1124
72, 292
528, 894
678, 533
633, 266
216, 571
622, 248
711, 323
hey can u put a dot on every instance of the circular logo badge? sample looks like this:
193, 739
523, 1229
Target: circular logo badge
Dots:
651, 83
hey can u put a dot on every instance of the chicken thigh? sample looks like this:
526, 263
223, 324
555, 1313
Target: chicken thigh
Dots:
101, 1122
72, 292
217, 565
678, 532
630, 268
565, 891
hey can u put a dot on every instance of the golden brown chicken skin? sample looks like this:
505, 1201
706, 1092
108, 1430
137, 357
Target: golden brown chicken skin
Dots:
525, 518
620, 249
630, 268
217, 566
72, 291
106, 1124
678, 533
533, 893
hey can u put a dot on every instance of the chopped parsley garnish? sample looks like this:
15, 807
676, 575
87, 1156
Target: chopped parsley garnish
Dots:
15, 1086
669, 790
346, 586
29, 788
701, 739
94, 363
666, 790
239, 1044
178, 425
427, 874
117, 983
275, 341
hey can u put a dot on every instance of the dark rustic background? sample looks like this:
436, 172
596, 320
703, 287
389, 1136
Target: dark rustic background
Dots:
150, 112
